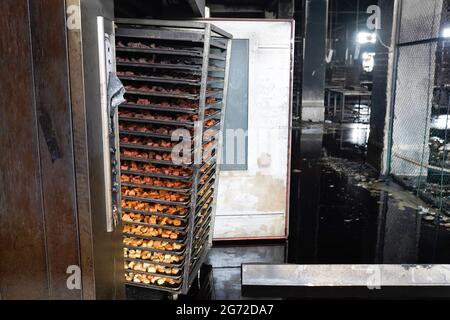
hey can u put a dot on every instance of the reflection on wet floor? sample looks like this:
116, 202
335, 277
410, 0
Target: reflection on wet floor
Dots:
340, 212
225, 268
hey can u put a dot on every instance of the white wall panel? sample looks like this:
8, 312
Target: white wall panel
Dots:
253, 203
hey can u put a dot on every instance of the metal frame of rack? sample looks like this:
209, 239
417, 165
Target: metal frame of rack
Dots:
174, 61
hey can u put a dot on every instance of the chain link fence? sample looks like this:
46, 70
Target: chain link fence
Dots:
420, 154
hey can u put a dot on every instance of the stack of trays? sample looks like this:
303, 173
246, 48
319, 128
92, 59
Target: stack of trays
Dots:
175, 75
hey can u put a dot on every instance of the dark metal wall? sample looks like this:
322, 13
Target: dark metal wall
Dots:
52, 215
38, 232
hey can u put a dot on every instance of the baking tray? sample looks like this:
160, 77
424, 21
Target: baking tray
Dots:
178, 276
215, 69
169, 265
147, 186
157, 175
221, 44
215, 127
208, 172
199, 226
184, 204
147, 134
174, 108
158, 33
211, 148
213, 155
205, 212
161, 275
181, 27
144, 147
198, 209
206, 201
155, 33
174, 253
178, 241
203, 188
199, 257
202, 220
200, 240
183, 218
213, 115
197, 68
214, 94
206, 222
168, 80
162, 122
207, 165
161, 162
188, 124
204, 198
210, 162
160, 108
211, 138
199, 243
163, 80
188, 96
149, 148
182, 229
164, 51
216, 105
214, 56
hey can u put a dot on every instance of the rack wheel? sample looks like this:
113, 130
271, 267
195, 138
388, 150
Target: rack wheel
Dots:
173, 297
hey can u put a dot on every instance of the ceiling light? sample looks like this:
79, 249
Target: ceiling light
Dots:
366, 37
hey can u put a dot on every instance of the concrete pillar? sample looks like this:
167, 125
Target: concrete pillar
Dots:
314, 65
382, 89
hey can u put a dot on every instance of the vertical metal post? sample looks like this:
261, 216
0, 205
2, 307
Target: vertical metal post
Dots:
396, 33
198, 155
103, 75
335, 105
220, 141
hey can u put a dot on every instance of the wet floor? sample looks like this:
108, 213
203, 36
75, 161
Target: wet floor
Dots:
341, 213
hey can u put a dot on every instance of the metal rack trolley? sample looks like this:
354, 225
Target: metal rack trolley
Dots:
188, 61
